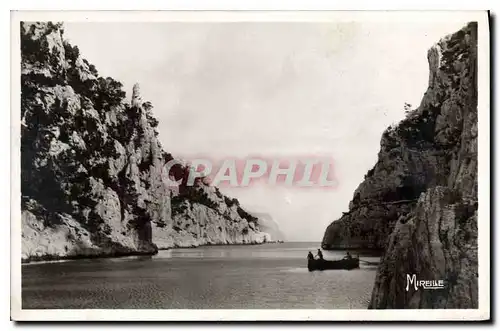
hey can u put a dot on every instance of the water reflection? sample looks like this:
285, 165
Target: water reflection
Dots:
223, 277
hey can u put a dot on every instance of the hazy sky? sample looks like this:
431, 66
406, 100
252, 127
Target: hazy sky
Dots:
233, 89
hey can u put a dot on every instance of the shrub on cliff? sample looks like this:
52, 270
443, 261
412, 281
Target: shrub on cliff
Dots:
109, 93
72, 53
34, 50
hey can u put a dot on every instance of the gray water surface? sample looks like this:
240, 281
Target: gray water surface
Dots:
218, 277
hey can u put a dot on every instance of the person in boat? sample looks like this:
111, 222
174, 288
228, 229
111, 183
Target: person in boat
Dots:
320, 254
310, 256
348, 256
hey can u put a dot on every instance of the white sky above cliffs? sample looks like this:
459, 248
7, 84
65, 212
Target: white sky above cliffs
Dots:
233, 89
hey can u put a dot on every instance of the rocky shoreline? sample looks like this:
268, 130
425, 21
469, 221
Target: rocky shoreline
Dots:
51, 258
419, 202
93, 178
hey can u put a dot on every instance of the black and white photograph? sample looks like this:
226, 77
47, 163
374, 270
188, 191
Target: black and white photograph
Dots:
250, 166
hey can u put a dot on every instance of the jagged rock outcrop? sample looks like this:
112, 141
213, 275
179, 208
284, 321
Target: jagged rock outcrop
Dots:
93, 181
419, 202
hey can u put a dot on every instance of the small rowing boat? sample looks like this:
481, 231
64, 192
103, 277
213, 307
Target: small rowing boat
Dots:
346, 263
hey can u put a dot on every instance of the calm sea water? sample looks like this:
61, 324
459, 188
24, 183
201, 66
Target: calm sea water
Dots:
262, 276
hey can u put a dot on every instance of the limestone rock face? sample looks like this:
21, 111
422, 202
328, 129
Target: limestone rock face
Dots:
419, 202
136, 96
92, 168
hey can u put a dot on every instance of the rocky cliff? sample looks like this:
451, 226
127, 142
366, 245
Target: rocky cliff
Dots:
93, 181
419, 202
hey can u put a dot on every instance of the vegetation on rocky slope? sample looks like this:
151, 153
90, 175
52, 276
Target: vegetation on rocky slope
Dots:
92, 167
